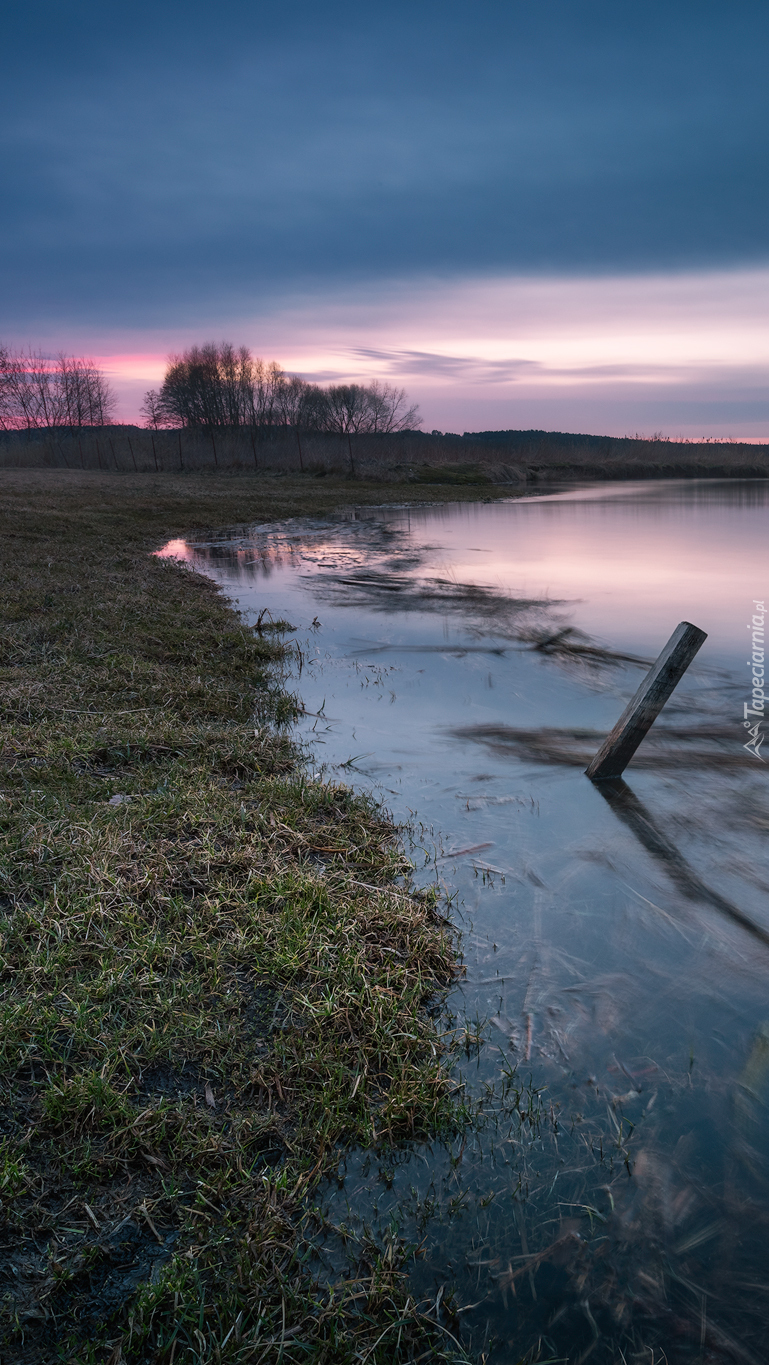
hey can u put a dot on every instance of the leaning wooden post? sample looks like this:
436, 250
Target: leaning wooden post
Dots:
640, 713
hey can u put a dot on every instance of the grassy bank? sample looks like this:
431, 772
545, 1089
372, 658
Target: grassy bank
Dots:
212, 976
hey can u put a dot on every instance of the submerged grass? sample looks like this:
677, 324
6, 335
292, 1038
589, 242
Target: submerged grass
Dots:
214, 977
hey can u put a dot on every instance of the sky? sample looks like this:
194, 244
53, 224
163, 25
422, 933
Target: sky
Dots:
552, 214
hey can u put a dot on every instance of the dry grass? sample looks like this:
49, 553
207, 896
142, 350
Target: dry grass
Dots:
513, 458
212, 976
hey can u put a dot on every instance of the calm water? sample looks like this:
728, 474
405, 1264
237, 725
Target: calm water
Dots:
464, 662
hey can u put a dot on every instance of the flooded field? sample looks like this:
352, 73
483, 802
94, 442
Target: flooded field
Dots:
611, 1200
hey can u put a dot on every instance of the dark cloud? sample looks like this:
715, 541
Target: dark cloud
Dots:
480, 370
429, 365
186, 161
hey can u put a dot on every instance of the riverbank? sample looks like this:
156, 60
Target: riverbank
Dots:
214, 977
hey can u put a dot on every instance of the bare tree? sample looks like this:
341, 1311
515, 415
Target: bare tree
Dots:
271, 380
9, 364
152, 411
37, 391
289, 401
388, 411
85, 395
189, 395
347, 409
216, 385
300, 404
5, 404
29, 398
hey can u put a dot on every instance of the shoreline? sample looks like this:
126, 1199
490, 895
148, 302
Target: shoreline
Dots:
197, 1019
640, 471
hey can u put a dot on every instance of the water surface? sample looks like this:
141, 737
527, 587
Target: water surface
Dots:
464, 661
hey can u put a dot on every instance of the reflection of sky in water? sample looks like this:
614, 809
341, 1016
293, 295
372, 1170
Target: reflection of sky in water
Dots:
636, 1003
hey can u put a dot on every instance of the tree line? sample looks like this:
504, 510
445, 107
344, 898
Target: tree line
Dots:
37, 390
219, 385
215, 385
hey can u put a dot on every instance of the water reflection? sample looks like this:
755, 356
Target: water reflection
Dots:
628, 808
612, 1201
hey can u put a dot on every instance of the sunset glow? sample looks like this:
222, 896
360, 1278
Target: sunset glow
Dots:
175, 549
583, 354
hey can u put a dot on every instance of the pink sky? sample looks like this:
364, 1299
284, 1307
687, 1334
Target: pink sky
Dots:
686, 354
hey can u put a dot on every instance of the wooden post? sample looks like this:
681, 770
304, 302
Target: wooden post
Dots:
640, 713
213, 443
133, 457
181, 466
154, 452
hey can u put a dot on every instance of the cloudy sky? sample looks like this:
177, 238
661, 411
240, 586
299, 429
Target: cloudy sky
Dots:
545, 214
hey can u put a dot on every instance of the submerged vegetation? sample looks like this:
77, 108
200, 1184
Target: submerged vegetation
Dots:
215, 973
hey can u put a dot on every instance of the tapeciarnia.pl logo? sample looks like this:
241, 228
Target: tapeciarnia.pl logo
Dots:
755, 707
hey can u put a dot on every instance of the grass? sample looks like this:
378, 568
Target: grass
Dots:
214, 975
462, 474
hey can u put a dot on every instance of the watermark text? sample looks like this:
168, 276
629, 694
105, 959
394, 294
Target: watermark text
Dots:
754, 710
